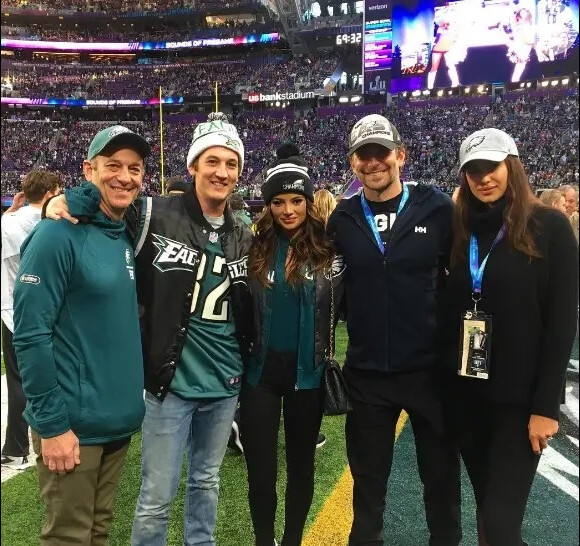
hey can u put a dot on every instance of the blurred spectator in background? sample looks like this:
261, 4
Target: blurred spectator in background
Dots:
38, 187
570, 193
176, 185
554, 199
239, 208
325, 202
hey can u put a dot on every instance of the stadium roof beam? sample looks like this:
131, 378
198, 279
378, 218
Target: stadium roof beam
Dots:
290, 14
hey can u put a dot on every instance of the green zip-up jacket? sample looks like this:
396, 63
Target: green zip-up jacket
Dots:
76, 330
313, 332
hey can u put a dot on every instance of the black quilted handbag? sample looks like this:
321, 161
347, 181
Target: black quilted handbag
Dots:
334, 391
335, 399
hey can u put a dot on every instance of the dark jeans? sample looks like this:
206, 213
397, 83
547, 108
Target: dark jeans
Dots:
260, 421
370, 435
16, 443
494, 444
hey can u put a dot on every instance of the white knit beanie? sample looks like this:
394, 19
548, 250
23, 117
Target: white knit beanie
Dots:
216, 131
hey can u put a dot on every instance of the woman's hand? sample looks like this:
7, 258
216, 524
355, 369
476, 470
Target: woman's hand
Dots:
540, 431
57, 208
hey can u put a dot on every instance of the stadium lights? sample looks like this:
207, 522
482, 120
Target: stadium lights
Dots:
545, 83
529, 84
522, 84
355, 98
277, 103
342, 99
555, 83
467, 90
481, 89
565, 81
440, 93
426, 92
404, 93
450, 92
416, 93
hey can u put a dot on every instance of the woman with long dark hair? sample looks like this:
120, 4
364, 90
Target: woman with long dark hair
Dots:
289, 268
511, 304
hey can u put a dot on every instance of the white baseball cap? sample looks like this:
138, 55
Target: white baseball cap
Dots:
373, 129
489, 144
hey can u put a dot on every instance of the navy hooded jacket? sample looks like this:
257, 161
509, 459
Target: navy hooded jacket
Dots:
391, 299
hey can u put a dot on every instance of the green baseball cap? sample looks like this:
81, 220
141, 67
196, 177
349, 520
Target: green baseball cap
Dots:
120, 134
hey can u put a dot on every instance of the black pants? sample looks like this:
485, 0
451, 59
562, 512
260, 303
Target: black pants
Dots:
16, 443
494, 444
260, 421
370, 437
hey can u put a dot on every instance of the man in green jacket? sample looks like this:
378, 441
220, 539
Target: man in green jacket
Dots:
78, 345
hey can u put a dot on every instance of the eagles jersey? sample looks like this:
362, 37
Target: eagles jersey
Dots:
210, 365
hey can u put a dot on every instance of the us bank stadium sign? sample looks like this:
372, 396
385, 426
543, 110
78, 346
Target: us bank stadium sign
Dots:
289, 95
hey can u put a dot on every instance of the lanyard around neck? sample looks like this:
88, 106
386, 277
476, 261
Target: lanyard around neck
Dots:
474, 267
371, 219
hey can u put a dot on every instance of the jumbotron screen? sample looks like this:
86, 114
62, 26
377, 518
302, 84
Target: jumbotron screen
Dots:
377, 45
473, 41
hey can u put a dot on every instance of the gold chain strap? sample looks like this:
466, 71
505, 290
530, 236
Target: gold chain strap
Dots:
331, 348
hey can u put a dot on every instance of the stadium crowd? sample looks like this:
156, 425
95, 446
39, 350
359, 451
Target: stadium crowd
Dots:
122, 6
273, 73
545, 127
199, 29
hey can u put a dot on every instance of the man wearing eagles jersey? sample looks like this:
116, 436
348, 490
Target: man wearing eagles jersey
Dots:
191, 254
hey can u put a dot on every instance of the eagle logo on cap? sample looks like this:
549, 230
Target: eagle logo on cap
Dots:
118, 130
233, 143
474, 143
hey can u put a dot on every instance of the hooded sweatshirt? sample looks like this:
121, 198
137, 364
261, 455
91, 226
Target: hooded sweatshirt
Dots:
76, 332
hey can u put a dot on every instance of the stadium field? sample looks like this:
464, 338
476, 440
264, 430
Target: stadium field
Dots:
551, 519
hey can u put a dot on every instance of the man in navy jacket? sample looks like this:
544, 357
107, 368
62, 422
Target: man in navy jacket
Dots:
395, 240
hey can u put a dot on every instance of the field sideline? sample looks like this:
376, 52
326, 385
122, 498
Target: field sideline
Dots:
552, 518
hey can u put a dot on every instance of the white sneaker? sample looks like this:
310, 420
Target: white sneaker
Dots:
235, 441
16, 463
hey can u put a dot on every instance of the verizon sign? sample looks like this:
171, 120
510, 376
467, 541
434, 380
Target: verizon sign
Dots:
297, 95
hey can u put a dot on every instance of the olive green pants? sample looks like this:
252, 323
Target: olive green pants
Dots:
79, 504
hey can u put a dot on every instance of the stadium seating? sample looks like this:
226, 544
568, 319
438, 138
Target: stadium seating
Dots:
545, 126
272, 73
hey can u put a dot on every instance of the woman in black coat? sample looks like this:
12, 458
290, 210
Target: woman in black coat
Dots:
510, 315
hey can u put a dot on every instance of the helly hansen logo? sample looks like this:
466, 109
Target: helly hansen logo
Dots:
420, 229
173, 255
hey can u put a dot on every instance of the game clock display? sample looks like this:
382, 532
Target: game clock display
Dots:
347, 39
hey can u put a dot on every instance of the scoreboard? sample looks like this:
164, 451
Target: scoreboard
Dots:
377, 50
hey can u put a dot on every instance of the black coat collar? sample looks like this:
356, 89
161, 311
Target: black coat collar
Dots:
193, 209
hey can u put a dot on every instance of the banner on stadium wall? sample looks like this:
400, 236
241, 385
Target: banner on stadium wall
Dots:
253, 98
90, 102
140, 46
377, 46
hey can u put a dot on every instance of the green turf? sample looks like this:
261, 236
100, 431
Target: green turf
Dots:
552, 516
22, 513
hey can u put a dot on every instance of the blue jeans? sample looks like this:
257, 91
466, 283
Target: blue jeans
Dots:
204, 425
